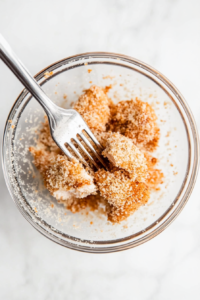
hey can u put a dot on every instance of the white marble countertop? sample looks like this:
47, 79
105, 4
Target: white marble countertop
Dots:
163, 33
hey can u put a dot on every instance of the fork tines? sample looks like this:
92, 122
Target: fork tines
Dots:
79, 141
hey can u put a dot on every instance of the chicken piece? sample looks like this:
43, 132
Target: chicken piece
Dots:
124, 195
121, 151
67, 179
118, 188
102, 136
137, 120
93, 106
63, 178
117, 214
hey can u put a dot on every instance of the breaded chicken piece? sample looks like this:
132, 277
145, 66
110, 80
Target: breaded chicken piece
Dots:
67, 179
121, 151
137, 120
63, 178
118, 187
93, 106
123, 194
116, 214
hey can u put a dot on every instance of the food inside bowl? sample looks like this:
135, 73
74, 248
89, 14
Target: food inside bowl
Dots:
129, 134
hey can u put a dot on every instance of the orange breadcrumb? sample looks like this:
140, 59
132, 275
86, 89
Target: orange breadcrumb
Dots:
137, 120
93, 107
48, 74
108, 77
155, 176
76, 205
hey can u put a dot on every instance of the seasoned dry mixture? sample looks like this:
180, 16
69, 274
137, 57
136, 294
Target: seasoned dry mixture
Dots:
129, 133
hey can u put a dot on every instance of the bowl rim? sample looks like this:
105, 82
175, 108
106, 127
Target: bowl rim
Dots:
112, 246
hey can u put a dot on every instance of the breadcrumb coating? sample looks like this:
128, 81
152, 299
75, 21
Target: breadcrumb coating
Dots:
63, 178
102, 136
123, 194
117, 214
66, 179
93, 106
76, 204
137, 120
121, 151
128, 132
118, 187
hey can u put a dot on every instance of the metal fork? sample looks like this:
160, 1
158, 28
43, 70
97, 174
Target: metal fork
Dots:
66, 125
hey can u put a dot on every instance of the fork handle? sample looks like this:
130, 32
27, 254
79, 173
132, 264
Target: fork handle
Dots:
15, 65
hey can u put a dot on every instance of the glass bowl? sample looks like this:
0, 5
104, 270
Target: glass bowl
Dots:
178, 152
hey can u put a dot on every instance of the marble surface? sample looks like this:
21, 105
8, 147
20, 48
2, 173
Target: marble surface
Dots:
163, 33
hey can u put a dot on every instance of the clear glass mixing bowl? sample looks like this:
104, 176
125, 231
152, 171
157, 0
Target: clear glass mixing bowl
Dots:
178, 153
